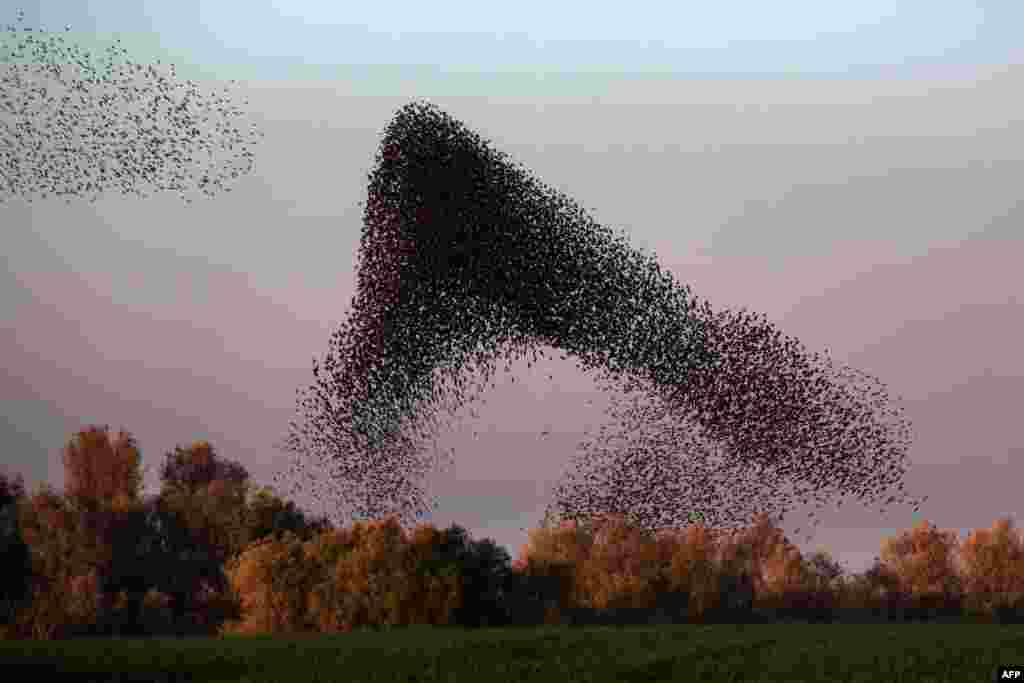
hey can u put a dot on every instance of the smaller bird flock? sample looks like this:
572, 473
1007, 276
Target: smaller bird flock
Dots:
110, 126
466, 260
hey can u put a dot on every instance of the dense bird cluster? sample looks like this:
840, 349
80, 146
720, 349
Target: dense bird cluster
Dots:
145, 129
466, 259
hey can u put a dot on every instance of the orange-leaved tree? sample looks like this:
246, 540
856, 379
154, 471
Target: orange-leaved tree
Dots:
372, 574
923, 559
102, 467
992, 564
552, 557
103, 483
762, 552
64, 557
691, 556
622, 567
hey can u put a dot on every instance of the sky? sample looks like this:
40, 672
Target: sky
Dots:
850, 173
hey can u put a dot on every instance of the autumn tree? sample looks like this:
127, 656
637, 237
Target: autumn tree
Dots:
195, 467
282, 568
992, 562
103, 482
616, 569
178, 542
760, 551
198, 476
273, 578
372, 574
64, 556
923, 560
210, 493
547, 567
692, 566
102, 467
621, 568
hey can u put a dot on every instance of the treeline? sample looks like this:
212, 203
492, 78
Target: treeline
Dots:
211, 554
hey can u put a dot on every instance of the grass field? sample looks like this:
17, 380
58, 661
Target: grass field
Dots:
789, 653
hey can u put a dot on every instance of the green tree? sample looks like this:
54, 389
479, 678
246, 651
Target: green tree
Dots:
270, 516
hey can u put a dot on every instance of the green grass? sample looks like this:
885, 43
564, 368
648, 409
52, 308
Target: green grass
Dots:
789, 653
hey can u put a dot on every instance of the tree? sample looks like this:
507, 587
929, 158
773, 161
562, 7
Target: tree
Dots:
64, 554
166, 554
128, 568
372, 574
923, 560
103, 482
193, 468
178, 542
102, 479
270, 516
992, 562
100, 467
692, 555
273, 579
823, 569
153, 553
205, 495
763, 551
621, 569
482, 567
16, 567
209, 492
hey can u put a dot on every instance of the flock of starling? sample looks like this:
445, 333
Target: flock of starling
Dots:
466, 259
108, 126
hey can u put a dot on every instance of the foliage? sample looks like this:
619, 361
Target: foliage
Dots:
923, 560
63, 559
269, 515
197, 466
211, 554
992, 562
692, 570
481, 566
371, 574
101, 467
272, 581
822, 570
